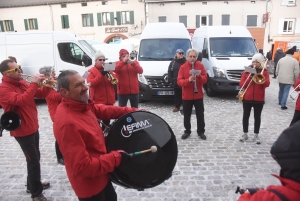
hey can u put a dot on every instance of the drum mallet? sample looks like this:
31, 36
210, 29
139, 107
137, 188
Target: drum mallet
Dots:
153, 149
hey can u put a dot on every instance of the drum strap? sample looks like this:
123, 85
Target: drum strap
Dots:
282, 197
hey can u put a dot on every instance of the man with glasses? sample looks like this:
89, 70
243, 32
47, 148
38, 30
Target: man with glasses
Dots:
191, 83
18, 96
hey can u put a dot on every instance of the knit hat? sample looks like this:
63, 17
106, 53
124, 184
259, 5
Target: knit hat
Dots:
258, 57
290, 51
98, 54
123, 52
286, 152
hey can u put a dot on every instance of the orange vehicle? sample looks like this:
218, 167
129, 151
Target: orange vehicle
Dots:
284, 45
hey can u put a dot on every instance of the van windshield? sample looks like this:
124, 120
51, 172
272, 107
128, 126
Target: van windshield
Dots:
88, 47
161, 49
232, 47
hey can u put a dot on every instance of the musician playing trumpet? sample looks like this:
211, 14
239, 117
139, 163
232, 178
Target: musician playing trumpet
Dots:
192, 94
254, 95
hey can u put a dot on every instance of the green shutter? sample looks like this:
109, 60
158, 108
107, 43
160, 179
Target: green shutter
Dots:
112, 18
118, 18
62, 21
66, 19
91, 20
131, 13
35, 23
1, 26
26, 24
11, 25
99, 18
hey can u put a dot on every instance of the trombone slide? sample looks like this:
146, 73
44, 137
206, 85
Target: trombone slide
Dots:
294, 97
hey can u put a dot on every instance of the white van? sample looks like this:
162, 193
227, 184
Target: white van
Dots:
159, 42
35, 49
226, 50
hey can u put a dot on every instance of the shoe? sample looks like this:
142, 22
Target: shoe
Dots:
185, 135
256, 139
279, 104
274, 77
61, 161
244, 137
202, 136
45, 184
284, 108
41, 197
175, 109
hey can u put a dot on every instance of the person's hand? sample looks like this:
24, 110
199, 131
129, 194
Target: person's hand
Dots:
38, 78
192, 78
125, 157
104, 72
126, 58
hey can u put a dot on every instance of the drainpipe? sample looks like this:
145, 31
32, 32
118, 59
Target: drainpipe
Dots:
51, 15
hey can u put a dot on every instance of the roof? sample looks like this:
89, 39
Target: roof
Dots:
223, 31
23, 3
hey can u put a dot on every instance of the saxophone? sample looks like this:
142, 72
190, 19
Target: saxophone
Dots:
195, 83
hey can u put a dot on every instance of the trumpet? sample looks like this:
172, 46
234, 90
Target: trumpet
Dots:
259, 78
294, 97
132, 56
111, 78
45, 83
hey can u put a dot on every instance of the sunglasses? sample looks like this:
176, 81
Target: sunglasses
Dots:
101, 59
14, 69
180, 53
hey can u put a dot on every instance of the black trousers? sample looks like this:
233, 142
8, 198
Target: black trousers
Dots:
30, 147
257, 114
187, 112
296, 117
177, 97
107, 194
58, 152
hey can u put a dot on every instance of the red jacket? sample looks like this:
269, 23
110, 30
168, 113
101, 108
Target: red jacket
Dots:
53, 99
188, 87
128, 77
290, 189
101, 89
19, 96
81, 141
255, 92
298, 89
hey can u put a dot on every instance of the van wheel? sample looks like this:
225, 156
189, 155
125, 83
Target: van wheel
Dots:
209, 91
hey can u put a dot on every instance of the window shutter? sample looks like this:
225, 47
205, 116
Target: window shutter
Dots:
67, 21
26, 24
131, 13
62, 21
35, 23
118, 18
11, 25
112, 18
252, 20
225, 19
1, 26
210, 20
197, 21
162, 19
280, 25
183, 19
297, 25
99, 19
91, 20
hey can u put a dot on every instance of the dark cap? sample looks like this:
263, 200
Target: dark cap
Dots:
290, 51
179, 51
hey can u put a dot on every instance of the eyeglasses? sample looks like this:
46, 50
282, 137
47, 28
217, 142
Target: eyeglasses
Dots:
14, 69
180, 53
101, 59
192, 56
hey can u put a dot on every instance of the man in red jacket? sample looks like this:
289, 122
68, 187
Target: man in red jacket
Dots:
296, 116
189, 98
18, 96
128, 86
81, 139
286, 152
254, 96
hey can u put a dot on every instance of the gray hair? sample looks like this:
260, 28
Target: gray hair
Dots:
46, 70
63, 79
191, 50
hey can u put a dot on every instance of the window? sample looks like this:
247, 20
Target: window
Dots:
71, 53
225, 19
87, 20
183, 19
104, 3
202, 20
8, 25
63, 5
124, 1
182, 4
251, 20
288, 25
106, 18
125, 17
31, 24
288, 2
83, 4
162, 19
65, 21
204, 3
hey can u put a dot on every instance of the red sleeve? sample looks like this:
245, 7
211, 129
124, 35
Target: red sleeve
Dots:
106, 112
136, 66
91, 78
297, 83
42, 92
245, 79
54, 95
203, 75
119, 65
262, 195
181, 81
267, 82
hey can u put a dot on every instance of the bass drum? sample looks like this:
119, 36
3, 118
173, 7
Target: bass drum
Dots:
139, 131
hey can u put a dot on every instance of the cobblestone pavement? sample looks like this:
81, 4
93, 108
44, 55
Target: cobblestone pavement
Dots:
206, 170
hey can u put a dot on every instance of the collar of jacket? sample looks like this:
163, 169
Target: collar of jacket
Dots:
288, 183
76, 105
99, 67
182, 60
12, 81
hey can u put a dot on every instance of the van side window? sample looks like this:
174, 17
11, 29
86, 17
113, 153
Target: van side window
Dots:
72, 53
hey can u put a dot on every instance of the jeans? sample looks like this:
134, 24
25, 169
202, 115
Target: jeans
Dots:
257, 116
283, 94
177, 97
107, 194
187, 112
133, 98
30, 147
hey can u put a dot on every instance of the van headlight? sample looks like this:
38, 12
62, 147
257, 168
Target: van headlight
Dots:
142, 79
219, 72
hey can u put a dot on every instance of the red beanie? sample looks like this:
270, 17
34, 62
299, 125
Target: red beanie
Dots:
122, 52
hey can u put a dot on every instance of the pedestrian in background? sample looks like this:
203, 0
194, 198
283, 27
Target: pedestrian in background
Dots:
278, 55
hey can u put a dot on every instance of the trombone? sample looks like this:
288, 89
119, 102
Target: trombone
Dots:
242, 92
45, 83
294, 97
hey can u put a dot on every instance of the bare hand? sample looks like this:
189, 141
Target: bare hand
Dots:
192, 78
38, 78
126, 59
